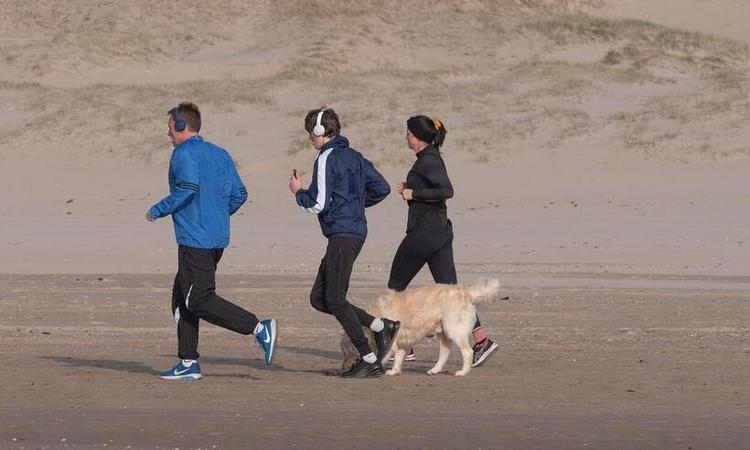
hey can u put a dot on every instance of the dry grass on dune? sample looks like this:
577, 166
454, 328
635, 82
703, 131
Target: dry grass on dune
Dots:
644, 44
78, 35
693, 85
499, 65
113, 114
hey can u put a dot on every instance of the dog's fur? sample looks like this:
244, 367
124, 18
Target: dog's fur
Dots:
442, 309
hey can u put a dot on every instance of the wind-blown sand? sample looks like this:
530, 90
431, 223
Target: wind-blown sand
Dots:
599, 154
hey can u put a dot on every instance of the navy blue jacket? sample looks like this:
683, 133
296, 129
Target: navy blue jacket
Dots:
204, 190
344, 183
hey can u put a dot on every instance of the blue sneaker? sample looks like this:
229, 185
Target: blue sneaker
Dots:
267, 338
183, 372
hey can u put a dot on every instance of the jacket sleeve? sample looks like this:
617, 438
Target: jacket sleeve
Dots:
433, 169
186, 185
317, 198
376, 188
238, 194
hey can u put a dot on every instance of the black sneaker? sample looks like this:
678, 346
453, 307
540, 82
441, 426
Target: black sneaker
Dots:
482, 351
385, 338
363, 369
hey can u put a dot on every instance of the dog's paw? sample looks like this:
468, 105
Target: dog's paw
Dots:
392, 372
433, 372
461, 373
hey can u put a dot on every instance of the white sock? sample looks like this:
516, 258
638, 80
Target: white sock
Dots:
188, 362
258, 328
369, 358
377, 325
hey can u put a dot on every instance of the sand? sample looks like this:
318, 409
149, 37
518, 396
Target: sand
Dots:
598, 149
586, 361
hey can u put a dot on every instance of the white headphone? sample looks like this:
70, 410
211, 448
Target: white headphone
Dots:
319, 129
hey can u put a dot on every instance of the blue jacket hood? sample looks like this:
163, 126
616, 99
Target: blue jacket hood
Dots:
337, 142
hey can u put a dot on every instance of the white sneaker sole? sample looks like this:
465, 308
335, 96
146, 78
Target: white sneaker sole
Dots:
191, 377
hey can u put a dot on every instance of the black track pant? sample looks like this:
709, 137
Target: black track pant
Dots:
328, 293
420, 247
194, 297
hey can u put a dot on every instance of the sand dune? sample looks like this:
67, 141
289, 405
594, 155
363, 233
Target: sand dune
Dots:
545, 101
84, 62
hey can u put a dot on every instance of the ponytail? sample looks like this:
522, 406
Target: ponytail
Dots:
440, 132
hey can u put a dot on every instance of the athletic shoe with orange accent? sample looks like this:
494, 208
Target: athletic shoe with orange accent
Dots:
482, 351
409, 356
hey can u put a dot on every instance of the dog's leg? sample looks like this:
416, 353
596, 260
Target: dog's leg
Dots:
458, 329
466, 352
386, 357
445, 350
398, 360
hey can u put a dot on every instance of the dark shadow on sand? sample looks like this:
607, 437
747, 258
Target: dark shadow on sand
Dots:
245, 376
126, 366
111, 364
327, 354
258, 364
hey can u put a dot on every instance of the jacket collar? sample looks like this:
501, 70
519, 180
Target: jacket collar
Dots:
429, 149
337, 142
196, 138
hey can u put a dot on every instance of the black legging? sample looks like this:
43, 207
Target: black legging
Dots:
420, 247
328, 293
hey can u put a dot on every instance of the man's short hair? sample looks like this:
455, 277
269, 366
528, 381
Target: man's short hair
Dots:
330, 121
190, 113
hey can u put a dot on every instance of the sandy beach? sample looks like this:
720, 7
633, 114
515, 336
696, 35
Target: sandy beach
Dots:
598, 151
625, 364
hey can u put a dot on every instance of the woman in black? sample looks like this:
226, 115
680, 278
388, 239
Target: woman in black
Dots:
429, 233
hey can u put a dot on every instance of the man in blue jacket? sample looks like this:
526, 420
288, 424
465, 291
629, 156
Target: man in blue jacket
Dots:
343, 184
204, 190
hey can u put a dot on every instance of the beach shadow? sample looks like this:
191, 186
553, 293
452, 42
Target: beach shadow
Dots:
244, 376
327, 354
111, 364
127, 366
258, 364
245, 362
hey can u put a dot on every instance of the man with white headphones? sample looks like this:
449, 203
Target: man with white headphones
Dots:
343, 184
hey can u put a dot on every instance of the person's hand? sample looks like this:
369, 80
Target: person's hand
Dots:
400, 186
294, 182
407, 194
148, 216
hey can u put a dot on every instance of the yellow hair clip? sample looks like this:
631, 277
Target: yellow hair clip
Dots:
438, 124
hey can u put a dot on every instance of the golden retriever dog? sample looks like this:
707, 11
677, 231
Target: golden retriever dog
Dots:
442, 309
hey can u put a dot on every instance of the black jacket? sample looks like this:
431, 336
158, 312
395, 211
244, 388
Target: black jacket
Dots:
428, 178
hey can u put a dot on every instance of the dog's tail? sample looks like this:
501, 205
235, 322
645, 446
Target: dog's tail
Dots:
485, 291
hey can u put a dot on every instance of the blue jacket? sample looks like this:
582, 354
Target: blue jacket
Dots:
343, 184
204, 190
